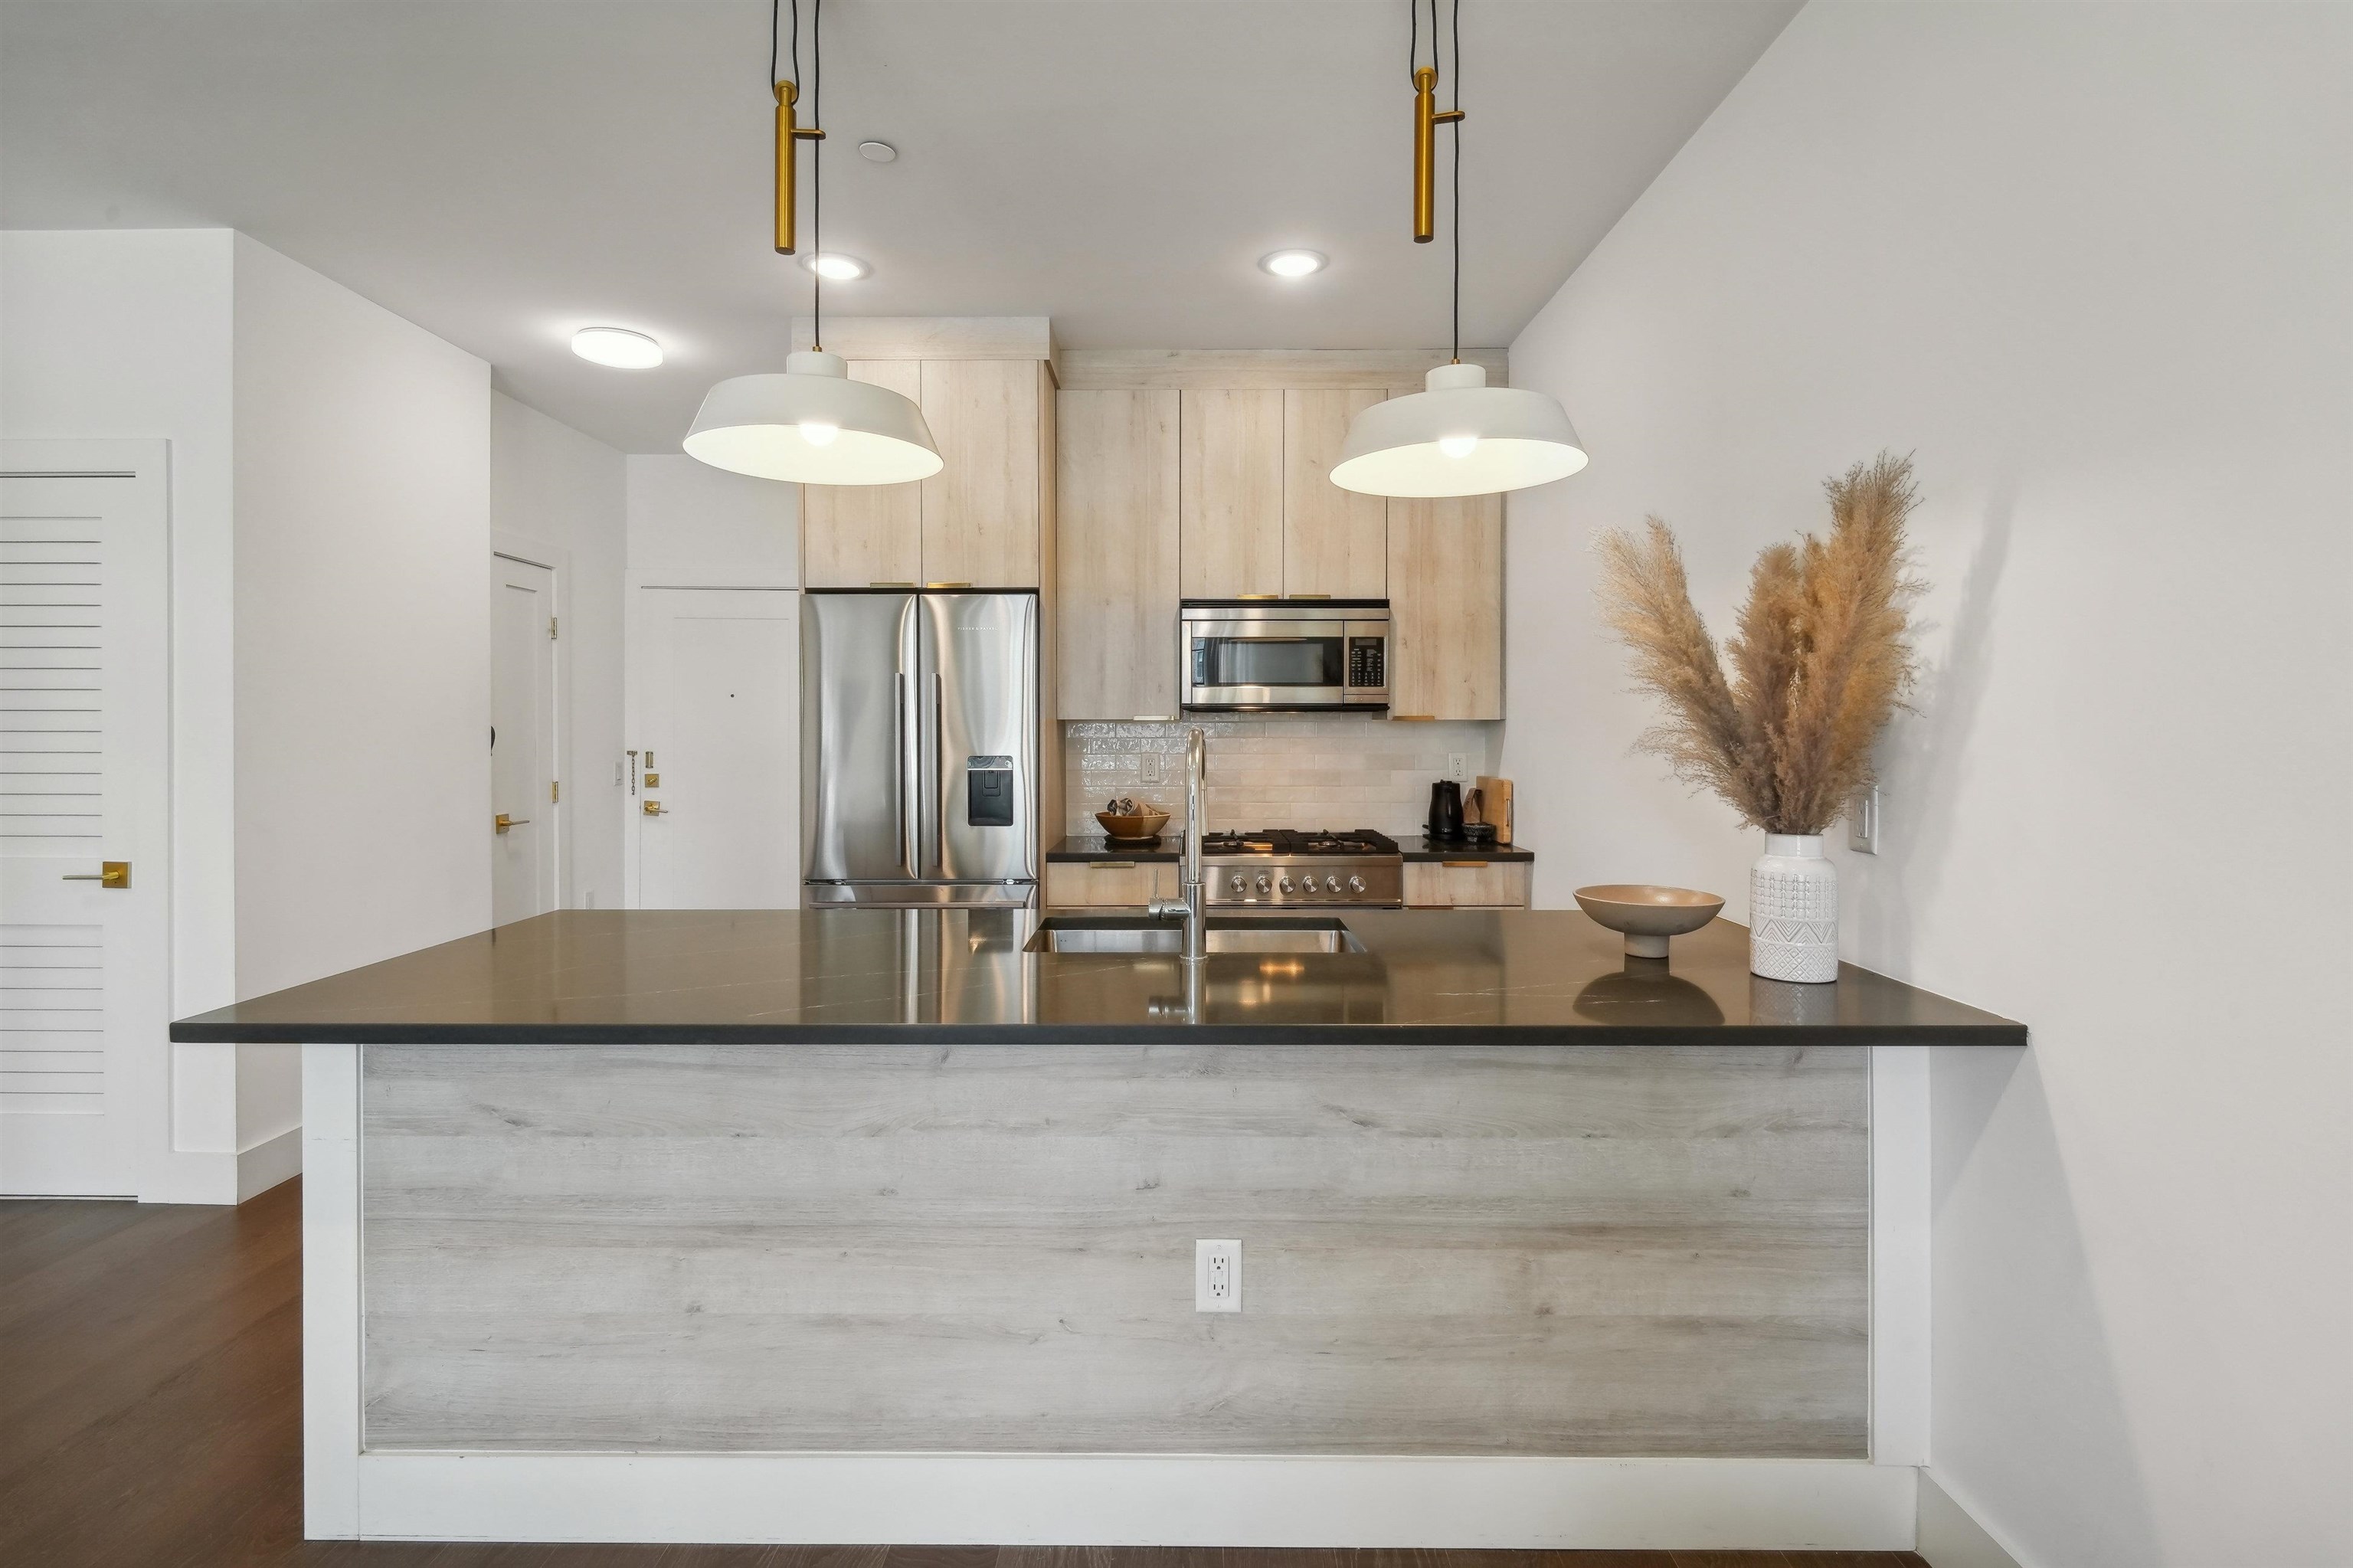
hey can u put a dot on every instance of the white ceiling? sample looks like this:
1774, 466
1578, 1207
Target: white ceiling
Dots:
504, 171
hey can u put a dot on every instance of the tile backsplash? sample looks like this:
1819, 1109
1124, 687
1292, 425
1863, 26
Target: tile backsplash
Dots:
1274, 771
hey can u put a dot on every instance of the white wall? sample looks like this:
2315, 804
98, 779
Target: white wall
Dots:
127, 333
552, 485
2093, 266
363, 643
688, 520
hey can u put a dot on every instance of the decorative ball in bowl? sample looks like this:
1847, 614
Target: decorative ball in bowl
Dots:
1647, 915
1144, 823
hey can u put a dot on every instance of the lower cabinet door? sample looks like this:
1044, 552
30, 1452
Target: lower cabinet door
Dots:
1466, 884
1107, 883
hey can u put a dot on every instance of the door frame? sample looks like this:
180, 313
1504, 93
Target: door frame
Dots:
144, 467
762, 580
556, 561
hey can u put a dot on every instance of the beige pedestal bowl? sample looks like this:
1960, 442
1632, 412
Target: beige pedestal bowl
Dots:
1647, 915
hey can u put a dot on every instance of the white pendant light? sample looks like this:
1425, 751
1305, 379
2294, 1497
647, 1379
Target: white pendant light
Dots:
812, 424
1458, 436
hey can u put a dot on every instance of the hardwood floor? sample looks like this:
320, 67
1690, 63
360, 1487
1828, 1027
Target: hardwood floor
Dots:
150, 1417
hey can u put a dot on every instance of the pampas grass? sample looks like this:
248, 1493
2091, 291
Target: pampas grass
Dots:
1822, 659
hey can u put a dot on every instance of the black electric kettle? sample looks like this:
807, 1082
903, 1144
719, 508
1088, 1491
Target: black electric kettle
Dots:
1446, 810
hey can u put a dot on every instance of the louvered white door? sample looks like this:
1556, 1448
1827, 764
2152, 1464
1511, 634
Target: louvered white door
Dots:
523, 740
85, 990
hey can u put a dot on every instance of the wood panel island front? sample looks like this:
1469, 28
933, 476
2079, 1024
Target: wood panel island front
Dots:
875, 1225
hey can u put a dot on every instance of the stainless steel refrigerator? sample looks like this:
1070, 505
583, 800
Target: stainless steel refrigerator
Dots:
919, 749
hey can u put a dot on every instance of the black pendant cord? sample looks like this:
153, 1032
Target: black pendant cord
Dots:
1413, 64
1455, 126
817, 176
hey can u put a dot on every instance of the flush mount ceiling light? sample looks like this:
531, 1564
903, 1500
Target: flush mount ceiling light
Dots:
1293, 263
877, 152
616, 346
811, 423
1458, 436
833, 264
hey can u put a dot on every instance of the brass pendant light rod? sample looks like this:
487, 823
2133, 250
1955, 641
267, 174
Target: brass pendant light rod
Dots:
1426, 118
789, 134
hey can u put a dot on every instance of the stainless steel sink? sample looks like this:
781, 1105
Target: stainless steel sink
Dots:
1132, 933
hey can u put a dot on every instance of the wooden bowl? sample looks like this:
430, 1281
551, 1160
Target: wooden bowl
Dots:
1142, 825
1647, 915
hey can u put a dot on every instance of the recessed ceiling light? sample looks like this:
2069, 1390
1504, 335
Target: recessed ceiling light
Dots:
877, 152
833, 265
616, 346
1293, 263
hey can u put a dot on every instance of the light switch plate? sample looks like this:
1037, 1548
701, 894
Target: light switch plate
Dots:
1216, 1277
1862, 821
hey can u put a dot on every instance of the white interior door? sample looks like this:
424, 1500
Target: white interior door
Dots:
85, 769
523, 740
714, 706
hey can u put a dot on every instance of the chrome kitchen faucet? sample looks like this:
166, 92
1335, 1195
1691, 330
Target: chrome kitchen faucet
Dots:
1188, 907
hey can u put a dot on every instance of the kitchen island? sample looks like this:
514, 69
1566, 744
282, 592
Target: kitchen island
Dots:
879, 1227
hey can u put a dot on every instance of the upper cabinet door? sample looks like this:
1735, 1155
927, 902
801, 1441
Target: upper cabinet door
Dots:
1446, 604
1230, 493
854, 535
980, 512
1116, 572
1334, 542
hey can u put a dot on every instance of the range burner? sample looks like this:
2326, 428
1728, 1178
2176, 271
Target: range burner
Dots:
1286, 867
1293, 841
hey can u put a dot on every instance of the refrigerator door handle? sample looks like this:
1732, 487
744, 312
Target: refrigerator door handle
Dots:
907, 778
939, 743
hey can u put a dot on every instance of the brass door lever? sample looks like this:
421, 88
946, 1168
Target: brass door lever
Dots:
110, 874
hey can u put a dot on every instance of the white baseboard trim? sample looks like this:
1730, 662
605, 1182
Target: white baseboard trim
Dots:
1950, 1538
1056, 1500
269, 1163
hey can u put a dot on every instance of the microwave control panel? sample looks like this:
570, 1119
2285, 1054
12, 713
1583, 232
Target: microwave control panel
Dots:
1366, 662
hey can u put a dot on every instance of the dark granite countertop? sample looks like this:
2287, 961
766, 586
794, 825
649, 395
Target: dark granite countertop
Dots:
943, 976
1171, 847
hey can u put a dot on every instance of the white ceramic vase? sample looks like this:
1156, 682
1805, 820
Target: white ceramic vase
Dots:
1793, 910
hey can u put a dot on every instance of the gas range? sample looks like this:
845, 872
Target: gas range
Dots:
1286, 868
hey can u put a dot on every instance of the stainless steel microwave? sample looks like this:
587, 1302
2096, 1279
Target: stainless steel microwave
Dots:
1274, 655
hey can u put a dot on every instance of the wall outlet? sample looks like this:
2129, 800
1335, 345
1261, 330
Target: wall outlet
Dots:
1216, 1277
1862, 821
1458, 766
1148, 767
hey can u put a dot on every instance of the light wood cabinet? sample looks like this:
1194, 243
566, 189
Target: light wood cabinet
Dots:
1446, 608
1466, 884
1334, 542
855, 535
1229, 492
980, 512
1108, 883
1117, 567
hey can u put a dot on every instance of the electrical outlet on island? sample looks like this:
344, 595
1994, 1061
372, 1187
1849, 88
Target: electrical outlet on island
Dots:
1216, 1277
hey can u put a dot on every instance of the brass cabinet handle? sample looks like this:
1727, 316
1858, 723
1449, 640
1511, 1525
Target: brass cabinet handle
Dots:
501, 822
1414, 718
1463, 865
110, 874
1112, 865
947, 585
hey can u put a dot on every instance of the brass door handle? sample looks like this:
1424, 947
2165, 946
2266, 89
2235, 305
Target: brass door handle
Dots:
653, 808
501, 822
110, 874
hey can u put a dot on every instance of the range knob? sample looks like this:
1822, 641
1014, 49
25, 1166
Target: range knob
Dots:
1266, 885
1287, 887
1355, 884
1238, 884
1332, 883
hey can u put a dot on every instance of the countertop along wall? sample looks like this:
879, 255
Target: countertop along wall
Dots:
2090, 266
